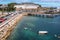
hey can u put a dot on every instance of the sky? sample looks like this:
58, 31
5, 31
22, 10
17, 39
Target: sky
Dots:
44, 3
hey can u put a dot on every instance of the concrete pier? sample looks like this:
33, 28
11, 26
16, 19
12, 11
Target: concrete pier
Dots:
44, 15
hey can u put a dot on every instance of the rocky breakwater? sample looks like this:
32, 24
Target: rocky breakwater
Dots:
7, 27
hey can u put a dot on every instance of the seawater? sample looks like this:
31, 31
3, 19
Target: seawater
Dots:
33, 25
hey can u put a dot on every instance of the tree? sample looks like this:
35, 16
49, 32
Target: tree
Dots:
11, 7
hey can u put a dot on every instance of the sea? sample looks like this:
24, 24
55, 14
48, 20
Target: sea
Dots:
28, 29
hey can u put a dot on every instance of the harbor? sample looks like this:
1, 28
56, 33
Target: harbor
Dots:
29, 21
36, 28
7, 26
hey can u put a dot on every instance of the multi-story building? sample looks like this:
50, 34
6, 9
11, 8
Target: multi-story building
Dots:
27, 7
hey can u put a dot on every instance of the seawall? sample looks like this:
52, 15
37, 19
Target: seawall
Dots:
43, 15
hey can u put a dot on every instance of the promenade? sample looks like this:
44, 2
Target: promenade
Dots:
7, 26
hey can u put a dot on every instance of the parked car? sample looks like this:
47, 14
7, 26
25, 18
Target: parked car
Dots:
2, 20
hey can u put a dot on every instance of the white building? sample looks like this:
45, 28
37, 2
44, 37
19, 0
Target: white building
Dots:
26, 6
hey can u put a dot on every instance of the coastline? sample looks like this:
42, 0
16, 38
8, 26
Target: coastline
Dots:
18, 18
13, 25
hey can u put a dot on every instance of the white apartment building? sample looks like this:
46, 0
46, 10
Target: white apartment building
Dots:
27, 6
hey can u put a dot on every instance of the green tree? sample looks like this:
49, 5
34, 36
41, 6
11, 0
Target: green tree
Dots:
11, 7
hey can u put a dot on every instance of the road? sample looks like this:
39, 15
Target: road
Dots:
8, 18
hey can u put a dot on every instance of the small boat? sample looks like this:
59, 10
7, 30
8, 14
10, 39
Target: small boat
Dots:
25, 28
55, 35
58, 36
43, 32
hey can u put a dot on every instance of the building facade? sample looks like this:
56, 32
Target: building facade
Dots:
27, 7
